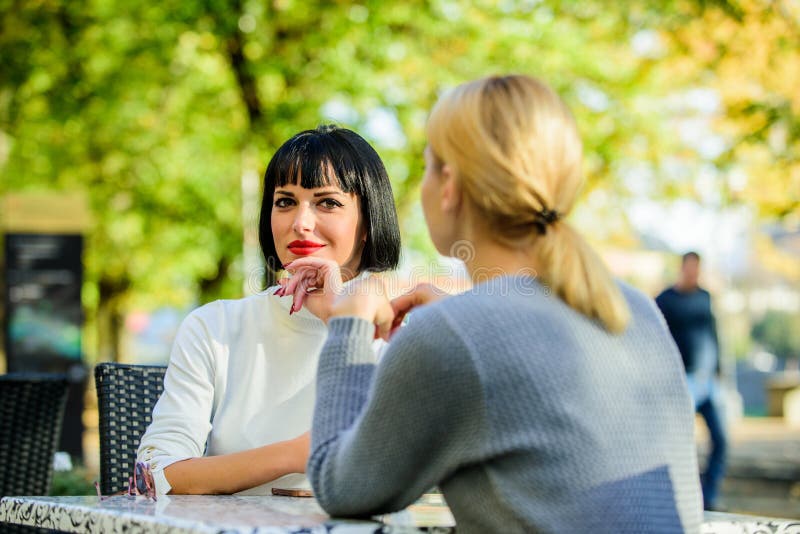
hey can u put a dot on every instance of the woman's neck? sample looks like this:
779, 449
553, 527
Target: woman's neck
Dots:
490, 259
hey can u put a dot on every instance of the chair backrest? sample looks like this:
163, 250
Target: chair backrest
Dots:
31, 414
126, 395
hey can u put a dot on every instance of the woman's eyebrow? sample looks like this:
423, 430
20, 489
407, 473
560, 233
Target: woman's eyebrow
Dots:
284, 192
330, 192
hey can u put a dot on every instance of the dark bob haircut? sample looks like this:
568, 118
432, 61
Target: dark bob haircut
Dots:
307, 159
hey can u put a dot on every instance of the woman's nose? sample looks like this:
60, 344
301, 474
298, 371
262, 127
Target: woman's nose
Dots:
304, 220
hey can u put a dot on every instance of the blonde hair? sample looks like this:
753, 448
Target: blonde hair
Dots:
515, 147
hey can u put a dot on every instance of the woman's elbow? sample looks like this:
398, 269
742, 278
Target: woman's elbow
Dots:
353, 499
334, 499
345, 507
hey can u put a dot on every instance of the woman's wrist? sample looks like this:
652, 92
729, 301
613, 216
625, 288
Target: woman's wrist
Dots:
352, 308
296, 451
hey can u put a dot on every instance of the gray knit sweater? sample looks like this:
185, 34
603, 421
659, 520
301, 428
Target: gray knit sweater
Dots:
528, 416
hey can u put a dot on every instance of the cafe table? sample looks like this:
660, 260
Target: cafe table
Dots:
200, 514
232, 514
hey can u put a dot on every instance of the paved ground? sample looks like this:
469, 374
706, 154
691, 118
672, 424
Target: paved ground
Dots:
763, 474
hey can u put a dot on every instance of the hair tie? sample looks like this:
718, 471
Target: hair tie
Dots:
544, 218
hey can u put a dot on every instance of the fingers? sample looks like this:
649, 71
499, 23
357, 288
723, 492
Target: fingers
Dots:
301, 280
420, 295
288, 285
305, 279
382, 312
403, 304
282, 284
384, 320
396, 323
323, 265
328, 272
301, 291
315, 263
322, 277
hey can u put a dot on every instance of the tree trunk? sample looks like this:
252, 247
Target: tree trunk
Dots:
110, 318
211, 287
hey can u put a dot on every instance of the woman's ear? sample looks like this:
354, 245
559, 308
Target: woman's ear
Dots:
362, 232
451, 190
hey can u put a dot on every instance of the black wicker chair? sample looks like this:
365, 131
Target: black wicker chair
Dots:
126, 395
31, 414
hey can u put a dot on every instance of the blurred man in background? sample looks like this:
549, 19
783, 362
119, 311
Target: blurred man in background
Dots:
687, 309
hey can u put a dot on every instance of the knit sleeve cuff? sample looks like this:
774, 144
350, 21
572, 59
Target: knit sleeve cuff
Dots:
157, 465
352, 338
162, 484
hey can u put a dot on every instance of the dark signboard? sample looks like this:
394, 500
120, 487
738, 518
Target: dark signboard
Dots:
43, 315
44, 274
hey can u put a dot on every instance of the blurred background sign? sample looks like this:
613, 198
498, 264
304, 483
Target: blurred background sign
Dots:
43, 276
43, 301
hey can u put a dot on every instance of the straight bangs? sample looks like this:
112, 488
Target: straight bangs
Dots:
313, 161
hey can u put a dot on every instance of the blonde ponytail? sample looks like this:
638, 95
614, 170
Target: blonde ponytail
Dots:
516, 149
574, 272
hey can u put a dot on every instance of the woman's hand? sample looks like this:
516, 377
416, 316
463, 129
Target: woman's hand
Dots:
366, 299
420, 295
314, 283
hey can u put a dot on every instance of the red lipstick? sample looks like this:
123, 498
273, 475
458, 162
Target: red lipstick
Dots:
303, 247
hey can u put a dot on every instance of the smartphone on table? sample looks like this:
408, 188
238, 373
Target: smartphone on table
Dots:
293, 492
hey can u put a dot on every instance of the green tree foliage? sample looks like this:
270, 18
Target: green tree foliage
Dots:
157, 109
749, 51
779, 333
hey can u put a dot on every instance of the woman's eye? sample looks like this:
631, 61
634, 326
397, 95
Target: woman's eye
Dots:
283, 202
330, 203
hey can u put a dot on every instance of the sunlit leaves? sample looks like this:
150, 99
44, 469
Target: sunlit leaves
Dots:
157, 109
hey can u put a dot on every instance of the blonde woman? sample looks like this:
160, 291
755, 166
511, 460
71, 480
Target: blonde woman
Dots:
550, 397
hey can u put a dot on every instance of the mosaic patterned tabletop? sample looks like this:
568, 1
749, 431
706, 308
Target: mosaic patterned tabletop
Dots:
190, 514
201, 514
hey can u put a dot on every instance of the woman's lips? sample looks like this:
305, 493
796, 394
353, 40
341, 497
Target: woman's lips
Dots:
304, 248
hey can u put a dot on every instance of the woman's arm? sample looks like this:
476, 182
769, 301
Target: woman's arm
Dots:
182, 416
383, 435
239, 471
175, 441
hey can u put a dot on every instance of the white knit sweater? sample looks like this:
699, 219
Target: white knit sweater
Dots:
241, 375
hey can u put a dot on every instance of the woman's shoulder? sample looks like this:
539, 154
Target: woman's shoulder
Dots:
221, 314
214, 309
638, 301
647, 320
505, 300
447, 328
499, 295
